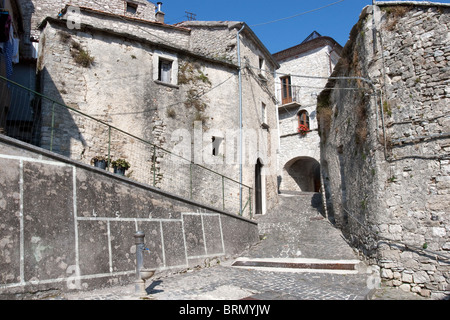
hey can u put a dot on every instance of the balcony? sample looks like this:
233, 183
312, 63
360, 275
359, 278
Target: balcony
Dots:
290, 96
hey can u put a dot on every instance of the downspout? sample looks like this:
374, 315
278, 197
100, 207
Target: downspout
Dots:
240, 116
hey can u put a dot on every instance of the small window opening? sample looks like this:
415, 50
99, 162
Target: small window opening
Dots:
165, 71
261, 64
303, 119
263, 113
216, 141
132, 8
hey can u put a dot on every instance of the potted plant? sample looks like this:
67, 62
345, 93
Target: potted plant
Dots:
120, 166
99, 162
303, 130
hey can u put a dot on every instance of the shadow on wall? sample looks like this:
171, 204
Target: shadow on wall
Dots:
301, 174
60, 127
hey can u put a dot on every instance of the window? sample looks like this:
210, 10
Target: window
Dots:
131, 8
303, 119
165, 68
286, 90
216, 142
165, 71
261, 72
263, 113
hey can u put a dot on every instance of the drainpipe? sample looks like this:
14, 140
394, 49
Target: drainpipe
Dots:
240, 115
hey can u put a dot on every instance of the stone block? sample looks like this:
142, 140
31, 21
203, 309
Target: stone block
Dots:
405, 287
93, 246
421, 277
195, 243
9, 221
213, 234
387, 273
174, 247
48, 230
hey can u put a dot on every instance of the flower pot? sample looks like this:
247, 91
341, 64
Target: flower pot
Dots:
120, 171
100, 164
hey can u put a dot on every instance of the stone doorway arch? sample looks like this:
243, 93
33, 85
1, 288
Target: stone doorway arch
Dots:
301, 174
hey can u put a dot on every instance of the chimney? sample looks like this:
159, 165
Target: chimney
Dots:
159, 14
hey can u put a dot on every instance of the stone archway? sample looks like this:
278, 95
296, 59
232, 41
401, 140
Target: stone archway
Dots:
301, 174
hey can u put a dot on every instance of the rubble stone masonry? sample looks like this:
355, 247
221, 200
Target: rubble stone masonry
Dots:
386, 143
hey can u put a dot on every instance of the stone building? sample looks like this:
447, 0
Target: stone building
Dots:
16, 65
179, 87
303, 73
385, 134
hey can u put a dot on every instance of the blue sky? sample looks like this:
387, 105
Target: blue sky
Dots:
334, 21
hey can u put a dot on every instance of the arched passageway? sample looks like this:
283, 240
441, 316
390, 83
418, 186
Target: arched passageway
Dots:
301, 174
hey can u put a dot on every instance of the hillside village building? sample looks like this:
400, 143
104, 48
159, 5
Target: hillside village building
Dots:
303, 73
178, 87
201, 109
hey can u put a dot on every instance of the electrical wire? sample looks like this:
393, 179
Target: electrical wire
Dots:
297, 15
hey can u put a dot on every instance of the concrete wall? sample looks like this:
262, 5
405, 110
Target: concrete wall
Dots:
385, 152
69, 226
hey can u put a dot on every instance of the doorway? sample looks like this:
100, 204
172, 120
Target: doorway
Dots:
286, 90
258, 188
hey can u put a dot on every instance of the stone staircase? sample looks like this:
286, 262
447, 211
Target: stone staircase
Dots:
296, 236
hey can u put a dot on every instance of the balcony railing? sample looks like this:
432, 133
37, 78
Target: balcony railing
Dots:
289, 95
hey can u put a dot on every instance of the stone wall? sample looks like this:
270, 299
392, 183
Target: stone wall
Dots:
69, 226
40, 9
203, 90
385, 144
308, 66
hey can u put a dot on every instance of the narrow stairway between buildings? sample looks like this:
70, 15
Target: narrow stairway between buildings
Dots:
296, 236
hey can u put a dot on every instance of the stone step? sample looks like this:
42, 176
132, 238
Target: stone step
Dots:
295, 229
301, 265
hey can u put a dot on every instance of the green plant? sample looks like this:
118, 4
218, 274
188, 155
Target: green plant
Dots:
99, 158
64, 37
203, 78
121, 163
193, 100
364, 204
199, 116
197, 83
387, 108
171, 113
82, 57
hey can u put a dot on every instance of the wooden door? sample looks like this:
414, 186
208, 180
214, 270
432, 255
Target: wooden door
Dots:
286, 90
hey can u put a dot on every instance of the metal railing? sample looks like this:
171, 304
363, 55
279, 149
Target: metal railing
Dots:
289, 94
52, 125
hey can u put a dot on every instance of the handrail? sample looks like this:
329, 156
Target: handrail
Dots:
9, 90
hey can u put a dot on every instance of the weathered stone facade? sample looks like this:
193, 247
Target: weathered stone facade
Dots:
145, 10
307, 67
385, 143
122, 86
